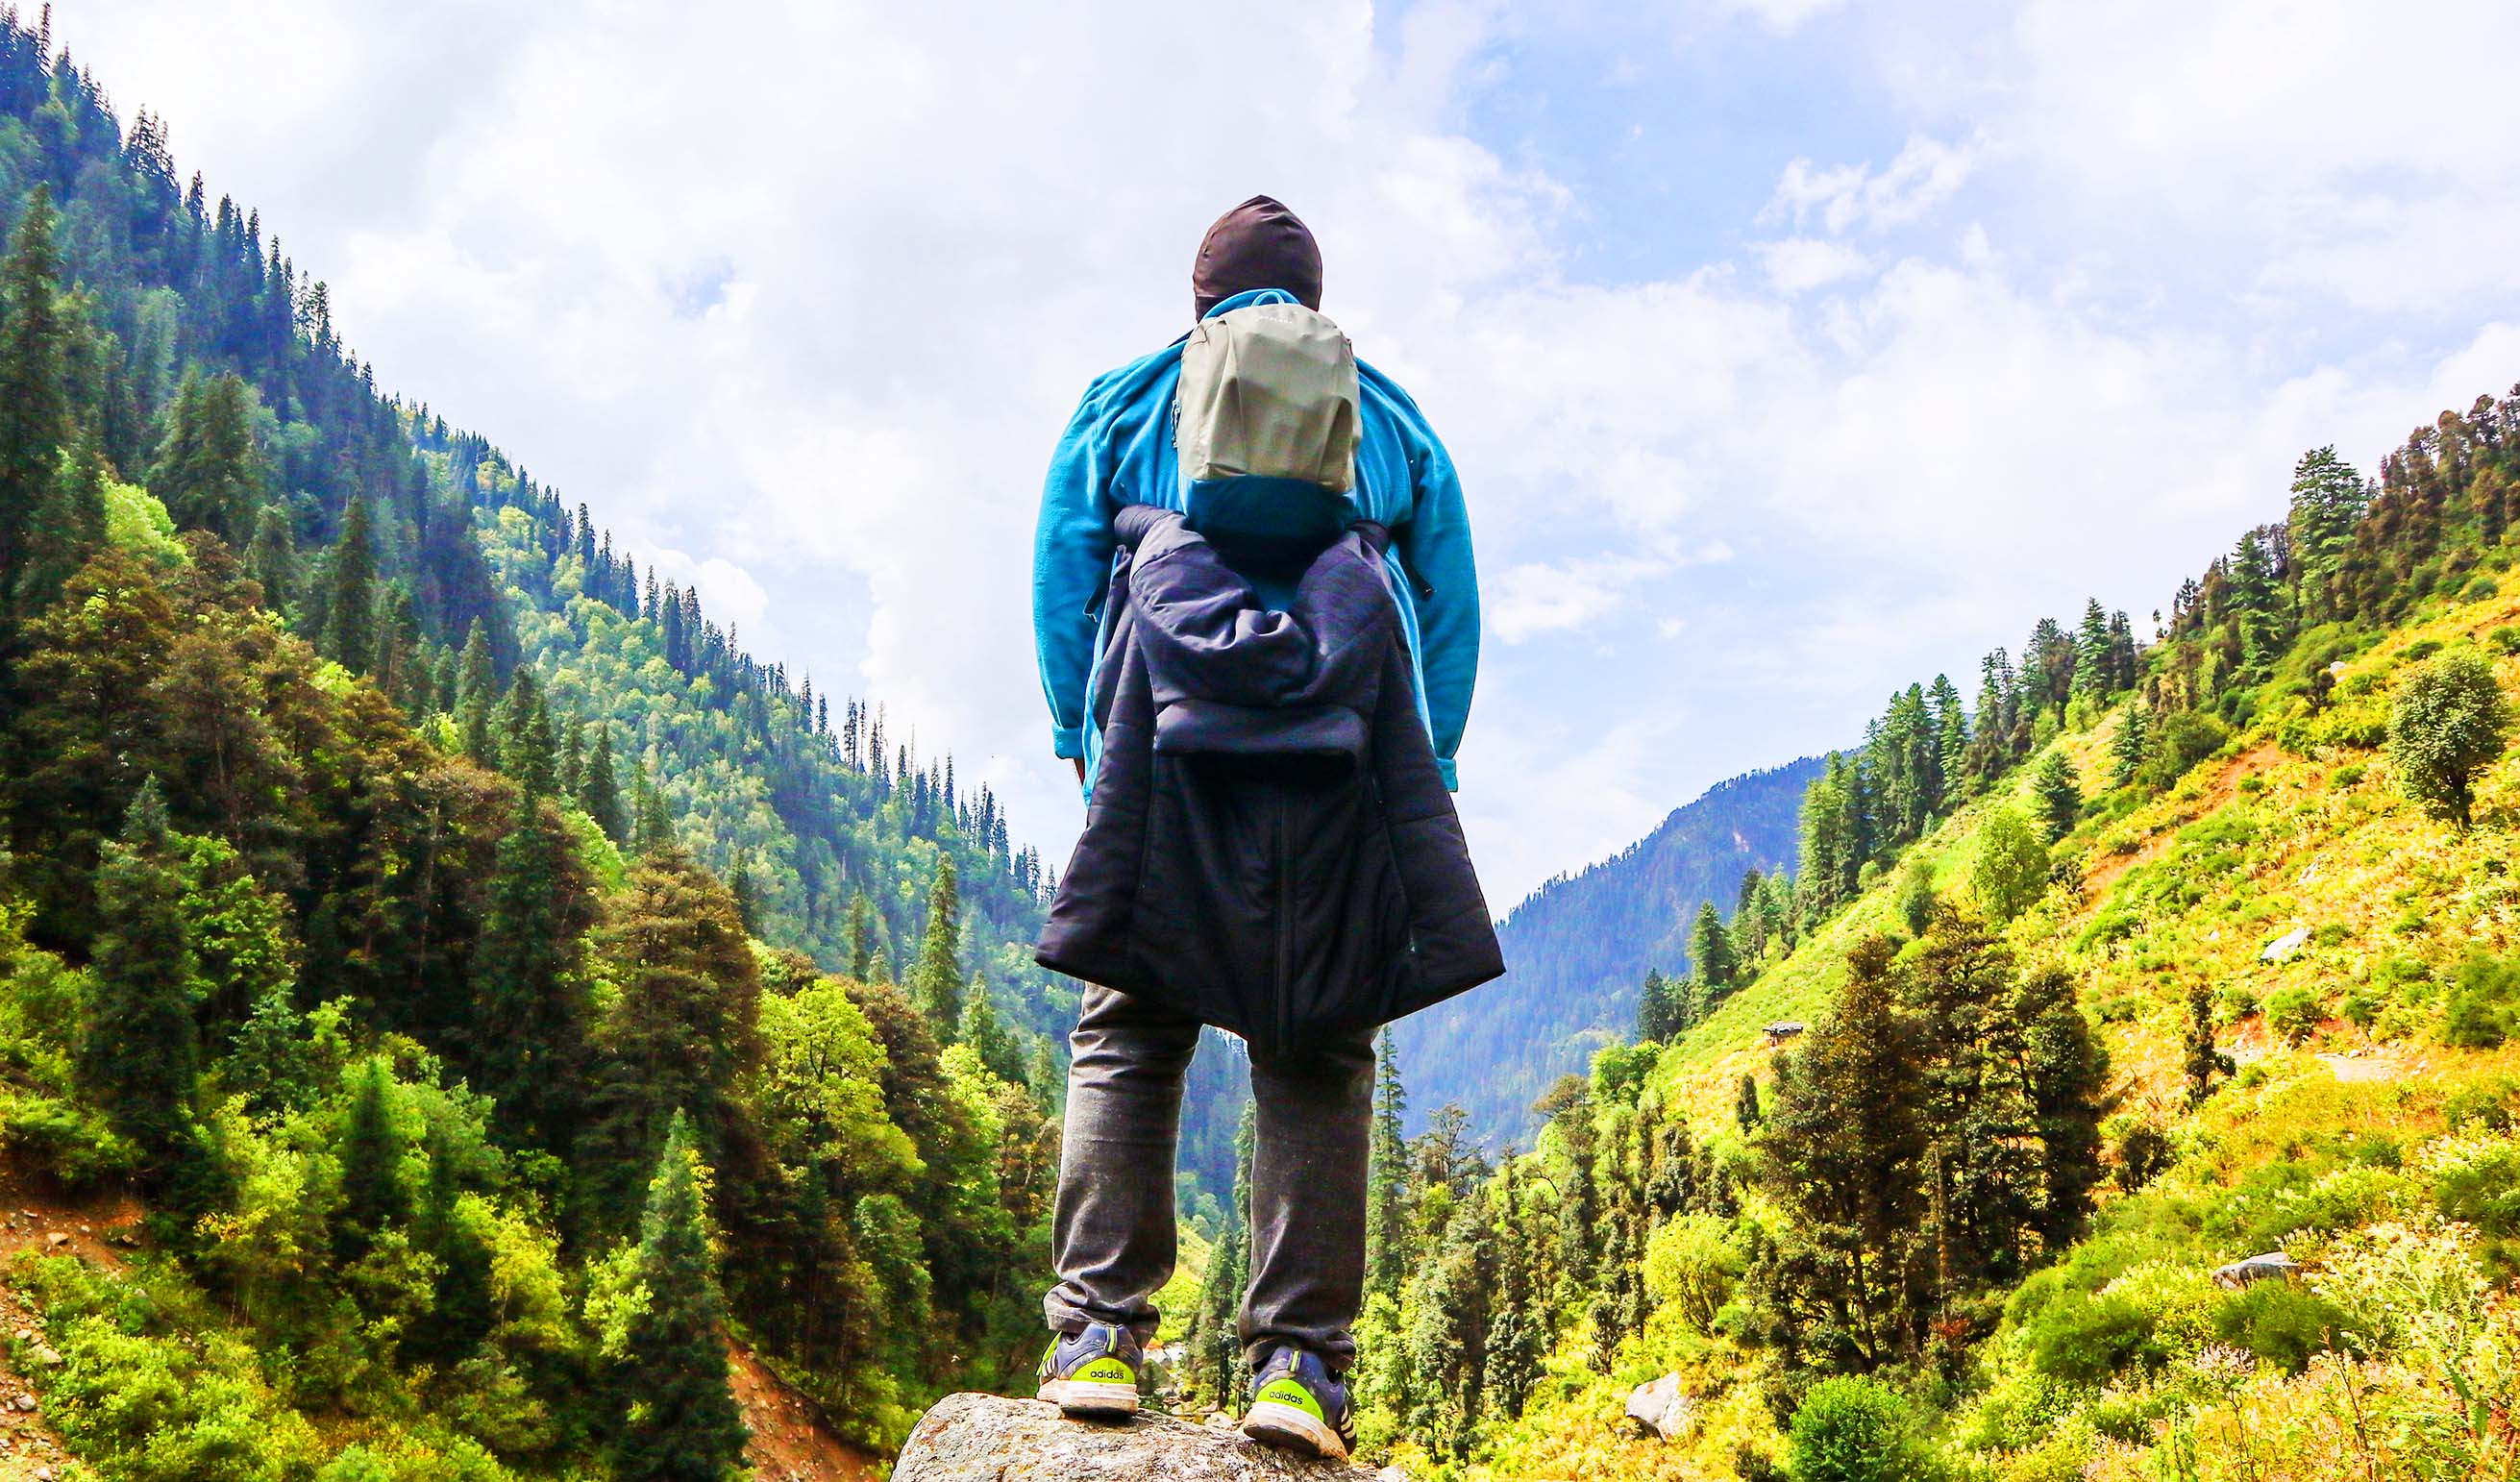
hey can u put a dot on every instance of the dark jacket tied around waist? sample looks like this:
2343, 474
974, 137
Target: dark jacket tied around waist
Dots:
1269, 846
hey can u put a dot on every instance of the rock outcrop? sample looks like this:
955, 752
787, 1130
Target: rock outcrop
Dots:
1660, 1409
987, 1438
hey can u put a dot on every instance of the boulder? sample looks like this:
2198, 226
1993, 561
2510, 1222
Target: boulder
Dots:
2274, 1266
988, 1438
1659, 1409
2285, 948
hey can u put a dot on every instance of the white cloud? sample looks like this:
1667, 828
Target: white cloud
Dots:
1535, 598
1926, 173
1778, 15
1798, 264
799, 310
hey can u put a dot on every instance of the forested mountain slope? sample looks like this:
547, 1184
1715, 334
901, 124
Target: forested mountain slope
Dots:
495, 982
1577, 951
2153, 961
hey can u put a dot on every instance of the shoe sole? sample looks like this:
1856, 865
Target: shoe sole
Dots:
1086, 1396
1274, 1424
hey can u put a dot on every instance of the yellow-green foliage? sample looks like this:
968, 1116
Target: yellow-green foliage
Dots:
2354, 1138
135, 520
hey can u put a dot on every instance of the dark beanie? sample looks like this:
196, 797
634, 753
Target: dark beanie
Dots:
1257, 245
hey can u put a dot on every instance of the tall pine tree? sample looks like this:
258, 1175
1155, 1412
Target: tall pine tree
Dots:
34, 410
680, 1422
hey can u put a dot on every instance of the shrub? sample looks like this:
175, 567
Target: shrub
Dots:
2477, 590
2504, 640
2295, 1012
2479, 1185
2143, 1152
2281, 1324
2481, 1000
1855, 1430
2346, 776
2448, 723
2184, 739
1691, 1265
2420, 650
2082, 1339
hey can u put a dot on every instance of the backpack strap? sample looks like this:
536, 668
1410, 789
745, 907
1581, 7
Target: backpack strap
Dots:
1134, 523
1377, 538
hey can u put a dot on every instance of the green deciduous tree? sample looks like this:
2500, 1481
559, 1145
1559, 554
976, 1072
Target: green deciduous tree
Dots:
2012, 867
2448, 723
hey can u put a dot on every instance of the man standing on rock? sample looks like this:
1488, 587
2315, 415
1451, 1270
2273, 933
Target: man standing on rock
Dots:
1263, 447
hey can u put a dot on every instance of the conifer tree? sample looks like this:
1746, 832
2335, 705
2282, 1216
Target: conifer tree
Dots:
272, 559
1215, 1363
1710, 953
1745, 1102
1657, 1014
2060, 798
208, 470
67, 527
1386, 1248
600, 789
34, 410
462, 1308
2132, 746
999, 1047
140, 1053
2204, 1062
374, 1199
681, 1423
2327, 498
684, 1024
526, 750
936, 985
476, 695
1843, 1151
350, 598
530, 1006
862, 945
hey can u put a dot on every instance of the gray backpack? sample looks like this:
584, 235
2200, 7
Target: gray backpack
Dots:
1267, 420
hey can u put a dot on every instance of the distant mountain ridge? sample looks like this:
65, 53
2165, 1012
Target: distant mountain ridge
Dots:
1578, 948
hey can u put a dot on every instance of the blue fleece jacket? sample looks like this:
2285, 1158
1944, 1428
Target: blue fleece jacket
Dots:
1118, 450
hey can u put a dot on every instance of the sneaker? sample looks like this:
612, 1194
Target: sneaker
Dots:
1297, 1403
1092, 1372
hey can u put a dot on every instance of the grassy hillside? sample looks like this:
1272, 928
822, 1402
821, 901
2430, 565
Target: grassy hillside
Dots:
2153, 960
2351, 1137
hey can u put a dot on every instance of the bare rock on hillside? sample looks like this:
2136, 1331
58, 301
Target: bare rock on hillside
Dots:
987, 1438
2285, 948
1660, 1409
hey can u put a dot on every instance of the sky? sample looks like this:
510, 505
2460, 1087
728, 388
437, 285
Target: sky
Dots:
1790, 351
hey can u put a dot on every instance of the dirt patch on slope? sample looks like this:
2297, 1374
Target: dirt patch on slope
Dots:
34, 1218
2219, 791
789, 1441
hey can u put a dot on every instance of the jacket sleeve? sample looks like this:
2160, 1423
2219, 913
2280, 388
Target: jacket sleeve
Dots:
1071, 562
1435, 547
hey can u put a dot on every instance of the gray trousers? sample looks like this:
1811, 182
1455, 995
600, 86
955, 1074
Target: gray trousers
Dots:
1114, 1241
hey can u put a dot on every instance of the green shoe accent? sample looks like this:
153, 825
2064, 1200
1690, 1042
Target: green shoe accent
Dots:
1105, 1371
1288, 1392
